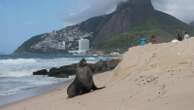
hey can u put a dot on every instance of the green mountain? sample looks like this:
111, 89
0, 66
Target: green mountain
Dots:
118, 30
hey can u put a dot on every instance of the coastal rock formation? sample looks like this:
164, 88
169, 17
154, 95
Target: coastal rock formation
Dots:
69, 70
119, 29
41, 72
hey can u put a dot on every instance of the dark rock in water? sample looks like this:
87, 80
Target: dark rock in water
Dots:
112, 64
41, 72
103, 66
100, 66
83, 82
63, 72
66, 71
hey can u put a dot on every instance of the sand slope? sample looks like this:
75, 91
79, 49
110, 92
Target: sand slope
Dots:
153, 77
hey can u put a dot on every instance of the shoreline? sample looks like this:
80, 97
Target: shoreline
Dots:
31, 93
152, 77
49, 99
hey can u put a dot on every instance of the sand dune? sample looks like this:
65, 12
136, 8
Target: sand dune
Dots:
152, 77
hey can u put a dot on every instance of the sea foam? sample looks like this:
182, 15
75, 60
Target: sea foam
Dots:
17, 61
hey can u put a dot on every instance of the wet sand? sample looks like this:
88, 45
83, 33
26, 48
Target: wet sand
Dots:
29, 93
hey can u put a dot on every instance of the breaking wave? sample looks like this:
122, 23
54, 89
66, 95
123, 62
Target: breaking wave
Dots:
16, 74
17, 61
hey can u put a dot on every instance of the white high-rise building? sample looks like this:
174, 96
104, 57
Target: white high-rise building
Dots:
84, 45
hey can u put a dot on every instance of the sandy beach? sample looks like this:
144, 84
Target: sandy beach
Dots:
151, 77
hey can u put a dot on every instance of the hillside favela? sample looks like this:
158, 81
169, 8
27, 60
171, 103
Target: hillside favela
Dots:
96, 55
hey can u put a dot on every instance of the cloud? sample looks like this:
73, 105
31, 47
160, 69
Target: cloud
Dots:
91, 8
182, 9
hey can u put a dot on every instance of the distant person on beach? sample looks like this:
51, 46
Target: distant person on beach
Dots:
153, 39
142, 41
186, 36
179, 37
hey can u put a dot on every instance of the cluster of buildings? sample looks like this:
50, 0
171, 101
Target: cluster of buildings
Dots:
70, 39
73, 40
83, 46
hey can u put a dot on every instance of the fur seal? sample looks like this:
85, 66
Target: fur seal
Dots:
83, 82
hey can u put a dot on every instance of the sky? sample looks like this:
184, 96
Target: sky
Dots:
22, 19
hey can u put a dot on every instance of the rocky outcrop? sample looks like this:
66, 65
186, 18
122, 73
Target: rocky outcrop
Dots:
69, 70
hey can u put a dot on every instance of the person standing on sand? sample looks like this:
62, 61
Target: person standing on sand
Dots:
153, 39
142, 41
186, 36
179, 37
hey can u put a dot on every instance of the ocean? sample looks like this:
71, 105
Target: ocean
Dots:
16, 73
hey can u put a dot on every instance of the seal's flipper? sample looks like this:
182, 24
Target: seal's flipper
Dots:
97, 88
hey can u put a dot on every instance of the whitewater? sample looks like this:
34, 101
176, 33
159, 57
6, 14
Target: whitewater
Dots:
16, 74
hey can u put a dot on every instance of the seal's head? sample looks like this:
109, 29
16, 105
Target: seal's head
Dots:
83, 62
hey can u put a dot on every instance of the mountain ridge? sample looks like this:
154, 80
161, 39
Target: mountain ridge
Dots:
131, 19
